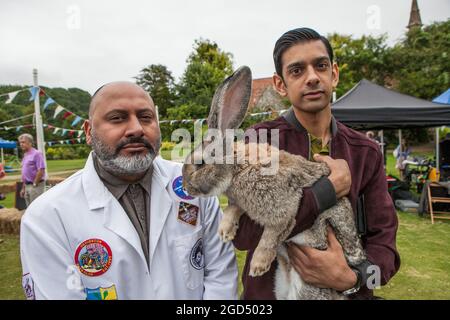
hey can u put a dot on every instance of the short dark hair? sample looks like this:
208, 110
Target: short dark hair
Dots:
294, 37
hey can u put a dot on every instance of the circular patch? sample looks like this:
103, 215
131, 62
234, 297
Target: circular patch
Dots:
93, 257
196, 257
177, 187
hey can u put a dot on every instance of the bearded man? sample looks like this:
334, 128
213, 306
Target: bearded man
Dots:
125, 211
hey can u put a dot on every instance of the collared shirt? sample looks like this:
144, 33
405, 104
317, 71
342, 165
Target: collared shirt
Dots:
317, 147
32, 161
134, 198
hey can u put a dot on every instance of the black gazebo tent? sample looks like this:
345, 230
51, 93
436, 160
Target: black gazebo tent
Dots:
370, 106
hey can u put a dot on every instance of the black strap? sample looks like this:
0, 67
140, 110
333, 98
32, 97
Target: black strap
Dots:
361, 220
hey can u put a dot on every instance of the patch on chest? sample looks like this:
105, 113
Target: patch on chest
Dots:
93, 257
100, 293
196, 257
188, 213
177, 187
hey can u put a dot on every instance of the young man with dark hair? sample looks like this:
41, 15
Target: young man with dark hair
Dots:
307, 75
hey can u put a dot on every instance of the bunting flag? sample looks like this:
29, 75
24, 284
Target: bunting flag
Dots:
56, 130
64, 132
80, 133
48, 102
67, 114
75, 122
58, 110
33, 91
11, 96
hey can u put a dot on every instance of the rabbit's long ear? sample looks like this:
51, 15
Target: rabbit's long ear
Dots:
230, 102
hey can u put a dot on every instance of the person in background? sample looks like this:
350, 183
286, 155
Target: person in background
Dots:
33, 170
2, 175
401, 154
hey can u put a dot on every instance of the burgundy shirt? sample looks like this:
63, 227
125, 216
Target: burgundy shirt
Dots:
368, 178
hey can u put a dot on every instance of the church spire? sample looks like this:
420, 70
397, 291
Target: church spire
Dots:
414, 18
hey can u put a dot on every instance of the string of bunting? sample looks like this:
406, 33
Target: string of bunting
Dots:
197, 121
61, 110
68, 141
13, 94
56, 130
67, 113
48, 102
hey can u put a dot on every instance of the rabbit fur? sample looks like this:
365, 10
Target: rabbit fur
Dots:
269, 200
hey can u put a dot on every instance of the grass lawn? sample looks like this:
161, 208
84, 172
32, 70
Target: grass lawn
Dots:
63, 165
424, 251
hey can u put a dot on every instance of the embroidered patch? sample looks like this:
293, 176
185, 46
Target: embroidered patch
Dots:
177, 186
93, 257
188, 213
28, 286
101, 293
196, 256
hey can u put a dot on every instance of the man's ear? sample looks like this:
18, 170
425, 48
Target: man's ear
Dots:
335, 75
87, 131
278, 84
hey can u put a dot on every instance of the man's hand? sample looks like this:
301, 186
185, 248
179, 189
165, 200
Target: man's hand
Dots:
323, 268
340, 175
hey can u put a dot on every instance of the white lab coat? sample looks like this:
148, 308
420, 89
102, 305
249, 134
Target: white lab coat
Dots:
81, 208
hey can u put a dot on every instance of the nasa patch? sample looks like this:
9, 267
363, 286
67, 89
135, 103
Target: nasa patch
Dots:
177, 186
196, 257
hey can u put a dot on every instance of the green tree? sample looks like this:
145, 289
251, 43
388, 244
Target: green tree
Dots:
158, 81
359, 58
207, 67
420, 62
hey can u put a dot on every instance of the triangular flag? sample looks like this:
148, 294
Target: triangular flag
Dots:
58, 110
77, 119
33, 91
80, 133
11, 96
48, 102
79, 140
19, 128
56, 130
41, 93
64, 132
67, 114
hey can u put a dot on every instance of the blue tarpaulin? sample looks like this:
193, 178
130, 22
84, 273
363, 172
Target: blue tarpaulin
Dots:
443, 98
5, 144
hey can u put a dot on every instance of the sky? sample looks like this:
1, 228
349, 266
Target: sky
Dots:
87, 43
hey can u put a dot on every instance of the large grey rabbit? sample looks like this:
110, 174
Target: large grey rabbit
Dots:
269, 200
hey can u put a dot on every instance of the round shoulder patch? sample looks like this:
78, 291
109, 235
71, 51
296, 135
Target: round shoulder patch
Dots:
93, 257
177, 186
196, 257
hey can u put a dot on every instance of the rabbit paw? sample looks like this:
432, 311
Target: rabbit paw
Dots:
227, 230
260, 263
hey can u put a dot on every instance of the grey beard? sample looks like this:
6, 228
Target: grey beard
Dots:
121, 165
